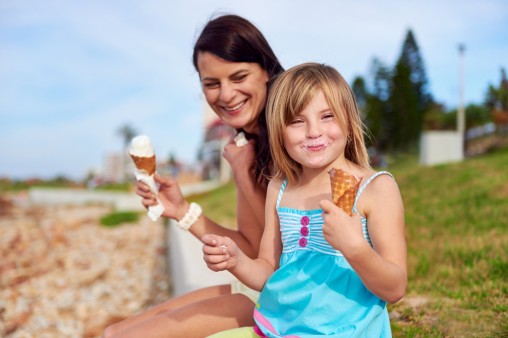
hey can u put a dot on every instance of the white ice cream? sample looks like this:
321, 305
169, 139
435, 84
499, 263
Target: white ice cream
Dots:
240, 139
141, 146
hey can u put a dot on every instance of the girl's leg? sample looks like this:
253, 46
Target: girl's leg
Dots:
197, 314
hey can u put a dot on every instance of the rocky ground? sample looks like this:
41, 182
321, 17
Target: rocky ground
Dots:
62, 274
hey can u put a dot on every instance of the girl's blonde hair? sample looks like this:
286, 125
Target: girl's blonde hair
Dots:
291, 93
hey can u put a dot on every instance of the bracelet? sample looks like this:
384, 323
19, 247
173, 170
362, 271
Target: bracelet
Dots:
190, 217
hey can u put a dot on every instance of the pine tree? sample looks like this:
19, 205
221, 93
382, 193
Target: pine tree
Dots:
379, 113
409, 96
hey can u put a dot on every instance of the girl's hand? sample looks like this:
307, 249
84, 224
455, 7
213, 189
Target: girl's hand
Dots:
170, 195
239, 158
219, 253
342, 231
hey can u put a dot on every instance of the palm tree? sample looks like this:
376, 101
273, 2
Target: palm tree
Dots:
127, 132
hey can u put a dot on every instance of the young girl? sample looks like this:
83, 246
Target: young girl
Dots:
321, 271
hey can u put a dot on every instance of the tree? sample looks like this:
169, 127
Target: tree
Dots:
127, 133
497, 100
409, 96
378, 110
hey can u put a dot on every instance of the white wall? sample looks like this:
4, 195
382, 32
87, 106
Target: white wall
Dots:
437, 147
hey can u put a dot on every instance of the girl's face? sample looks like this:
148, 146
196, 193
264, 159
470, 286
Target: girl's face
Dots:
314, 138
236, 91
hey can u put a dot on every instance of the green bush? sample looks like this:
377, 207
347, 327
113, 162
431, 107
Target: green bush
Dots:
117, 218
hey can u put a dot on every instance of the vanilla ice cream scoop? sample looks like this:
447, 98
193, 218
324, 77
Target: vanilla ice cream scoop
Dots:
240, 139
141, 146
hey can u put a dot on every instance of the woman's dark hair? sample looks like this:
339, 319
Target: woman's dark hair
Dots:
235, 39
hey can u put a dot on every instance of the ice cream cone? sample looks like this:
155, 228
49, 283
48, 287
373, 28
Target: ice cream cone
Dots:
143, 155
344, 189
146, 164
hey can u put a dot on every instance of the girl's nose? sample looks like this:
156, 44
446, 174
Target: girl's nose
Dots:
314, 130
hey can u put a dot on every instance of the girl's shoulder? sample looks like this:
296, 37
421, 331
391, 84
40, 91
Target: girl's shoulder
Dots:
378, 185
274, 185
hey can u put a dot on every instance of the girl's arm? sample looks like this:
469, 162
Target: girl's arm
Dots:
222, 253
383, 268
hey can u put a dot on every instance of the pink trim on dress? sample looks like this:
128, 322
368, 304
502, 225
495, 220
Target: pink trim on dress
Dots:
263, 321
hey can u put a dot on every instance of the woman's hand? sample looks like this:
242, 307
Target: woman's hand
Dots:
239, 158
342, 231
170, 195
219, 253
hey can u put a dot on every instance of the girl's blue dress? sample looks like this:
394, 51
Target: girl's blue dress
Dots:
315, 292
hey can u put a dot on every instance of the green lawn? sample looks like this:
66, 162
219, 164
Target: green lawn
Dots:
457, 235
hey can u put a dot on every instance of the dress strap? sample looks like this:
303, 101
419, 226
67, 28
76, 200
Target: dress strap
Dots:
362, 188
281, 191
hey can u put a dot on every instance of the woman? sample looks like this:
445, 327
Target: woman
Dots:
235, 65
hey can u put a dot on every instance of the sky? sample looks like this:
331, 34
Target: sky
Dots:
74, 72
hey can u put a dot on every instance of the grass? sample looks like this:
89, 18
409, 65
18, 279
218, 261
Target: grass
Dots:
457, 236
456, 226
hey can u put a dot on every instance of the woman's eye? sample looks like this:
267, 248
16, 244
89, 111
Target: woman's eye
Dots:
239, 77
210, 85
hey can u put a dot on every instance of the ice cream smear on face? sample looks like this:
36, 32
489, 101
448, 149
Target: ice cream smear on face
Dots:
142, 153
316, 144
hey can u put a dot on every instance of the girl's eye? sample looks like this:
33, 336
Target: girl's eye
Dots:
297, 121
328, 116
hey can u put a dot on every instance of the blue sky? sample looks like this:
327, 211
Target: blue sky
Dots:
73, 72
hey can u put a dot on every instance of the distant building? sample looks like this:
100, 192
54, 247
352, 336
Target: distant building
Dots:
113, 168
217, 134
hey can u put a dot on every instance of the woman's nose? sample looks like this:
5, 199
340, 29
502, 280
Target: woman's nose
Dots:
227, 92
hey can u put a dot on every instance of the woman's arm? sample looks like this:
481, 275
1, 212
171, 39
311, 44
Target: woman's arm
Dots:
175, 207
383, 268
250, 196
222, 253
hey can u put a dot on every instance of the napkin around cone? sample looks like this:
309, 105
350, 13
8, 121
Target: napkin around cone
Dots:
344, 189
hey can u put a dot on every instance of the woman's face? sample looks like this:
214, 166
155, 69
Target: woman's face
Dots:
236, 91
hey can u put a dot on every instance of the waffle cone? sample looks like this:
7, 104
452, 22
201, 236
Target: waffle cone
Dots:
144, 163
344, 189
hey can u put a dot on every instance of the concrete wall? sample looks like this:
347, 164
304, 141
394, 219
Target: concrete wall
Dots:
437, 147
188, 269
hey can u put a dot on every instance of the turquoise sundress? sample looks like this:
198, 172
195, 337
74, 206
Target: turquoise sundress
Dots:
315, 292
